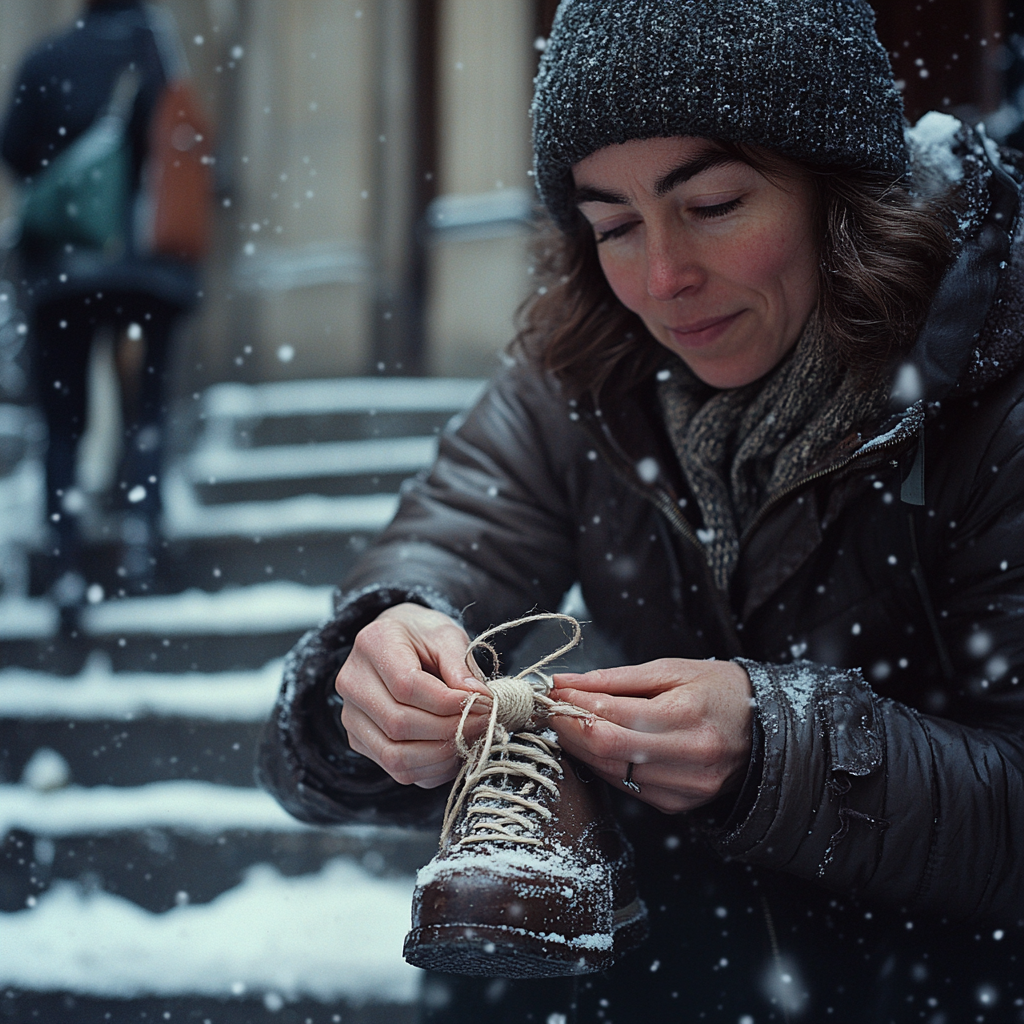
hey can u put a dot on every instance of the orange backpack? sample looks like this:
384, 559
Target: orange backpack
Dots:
178, 176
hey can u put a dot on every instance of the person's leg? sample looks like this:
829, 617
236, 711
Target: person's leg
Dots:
147, 323
145, 423
62, 336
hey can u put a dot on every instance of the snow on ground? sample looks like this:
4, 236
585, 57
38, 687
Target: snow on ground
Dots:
345, 394
184, 516
303, 461
97, 692
336, 934
23, 618
263, 608
186, 805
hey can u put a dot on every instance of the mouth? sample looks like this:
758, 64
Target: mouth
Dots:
703, 332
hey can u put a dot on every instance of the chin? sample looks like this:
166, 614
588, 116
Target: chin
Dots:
725, 375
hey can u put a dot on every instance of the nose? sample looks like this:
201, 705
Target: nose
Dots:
672, 267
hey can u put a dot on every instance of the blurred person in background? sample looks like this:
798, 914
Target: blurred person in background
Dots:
768, 409
81, 132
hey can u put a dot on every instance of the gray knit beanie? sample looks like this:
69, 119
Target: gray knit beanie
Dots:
804, 78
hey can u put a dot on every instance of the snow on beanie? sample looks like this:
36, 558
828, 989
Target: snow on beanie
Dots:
804, 78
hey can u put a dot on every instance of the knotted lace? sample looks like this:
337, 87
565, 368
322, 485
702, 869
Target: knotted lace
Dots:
508, 749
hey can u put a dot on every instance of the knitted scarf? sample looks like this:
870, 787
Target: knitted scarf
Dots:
740, 447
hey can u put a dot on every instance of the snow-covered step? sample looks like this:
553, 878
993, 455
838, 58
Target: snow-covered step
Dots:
284, 458
99, 693
263, 608
183, 805
151, 843
154, 867
333, 935
364, 395
131, 728
402, 455
163, 843
238, 627
185, 516
281, 607
279, 472
23, 618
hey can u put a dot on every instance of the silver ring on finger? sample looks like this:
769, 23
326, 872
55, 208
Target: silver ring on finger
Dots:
628, 780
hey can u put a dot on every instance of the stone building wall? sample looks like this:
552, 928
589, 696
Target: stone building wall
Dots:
299, 93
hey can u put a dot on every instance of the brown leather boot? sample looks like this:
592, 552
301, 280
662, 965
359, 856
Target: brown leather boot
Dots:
534, 878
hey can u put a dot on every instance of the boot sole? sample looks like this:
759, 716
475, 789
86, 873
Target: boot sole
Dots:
501, 951
498, 951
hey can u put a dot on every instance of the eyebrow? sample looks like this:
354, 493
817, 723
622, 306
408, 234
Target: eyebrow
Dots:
689, 169
700, 163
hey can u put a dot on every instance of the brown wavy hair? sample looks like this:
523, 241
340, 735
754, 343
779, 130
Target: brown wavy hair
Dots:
882, 254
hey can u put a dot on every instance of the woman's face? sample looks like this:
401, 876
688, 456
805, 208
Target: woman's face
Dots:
719, 262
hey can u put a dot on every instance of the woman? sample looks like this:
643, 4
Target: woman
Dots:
763, 306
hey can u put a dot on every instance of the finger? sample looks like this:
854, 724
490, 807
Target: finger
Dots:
694, 780
651, 777
406, 648
640, 714
601, 742
668, 799
421, 689
369, 682
439, 644
402, 724
438, 720
605, 753
607, 741
405, 762
366, 738
441, 736
649, 679
434, 782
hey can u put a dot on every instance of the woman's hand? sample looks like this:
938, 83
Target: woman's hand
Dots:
685, 725
404, 684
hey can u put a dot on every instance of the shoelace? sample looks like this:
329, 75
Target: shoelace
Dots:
509, 749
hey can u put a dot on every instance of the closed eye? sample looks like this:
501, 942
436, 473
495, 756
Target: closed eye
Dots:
617, 232
720, 210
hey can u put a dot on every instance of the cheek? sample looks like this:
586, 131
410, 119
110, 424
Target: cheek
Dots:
778, 262
762, 260
626, 279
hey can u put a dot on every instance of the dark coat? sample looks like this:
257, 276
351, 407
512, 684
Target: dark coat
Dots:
884, 640
63, 85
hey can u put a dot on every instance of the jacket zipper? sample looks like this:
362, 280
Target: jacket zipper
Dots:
662, 501
774, 500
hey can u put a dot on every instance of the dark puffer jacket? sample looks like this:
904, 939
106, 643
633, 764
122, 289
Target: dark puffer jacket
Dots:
884, 638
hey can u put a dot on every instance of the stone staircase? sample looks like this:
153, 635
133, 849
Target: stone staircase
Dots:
143, 877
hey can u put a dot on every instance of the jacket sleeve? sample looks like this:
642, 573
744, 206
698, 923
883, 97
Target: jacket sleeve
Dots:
918, 808
491, 526
304, 759
485, 531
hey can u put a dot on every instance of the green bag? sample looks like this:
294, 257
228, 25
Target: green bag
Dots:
83, 197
